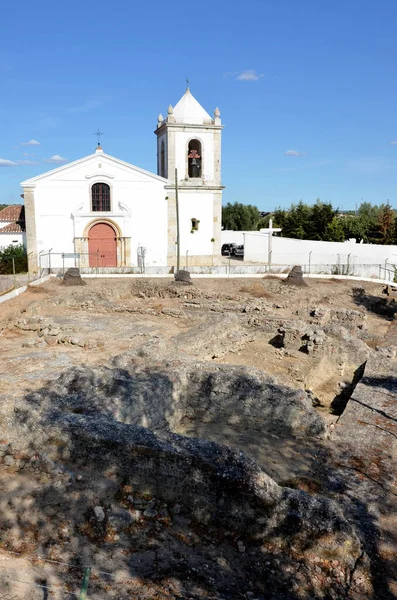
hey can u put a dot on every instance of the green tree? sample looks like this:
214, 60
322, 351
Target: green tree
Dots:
302, 221
353, 227
334, 231
3, 206
386, 224
368, 215
240, 217
18, 253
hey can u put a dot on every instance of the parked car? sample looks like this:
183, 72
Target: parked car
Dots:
228, 249
239, 251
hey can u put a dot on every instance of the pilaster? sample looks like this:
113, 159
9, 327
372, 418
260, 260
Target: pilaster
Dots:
217, 225
31, 239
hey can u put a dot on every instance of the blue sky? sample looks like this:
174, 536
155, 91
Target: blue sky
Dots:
307, 90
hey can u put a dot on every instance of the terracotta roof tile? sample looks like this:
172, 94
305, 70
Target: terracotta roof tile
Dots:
11, 228
14, 212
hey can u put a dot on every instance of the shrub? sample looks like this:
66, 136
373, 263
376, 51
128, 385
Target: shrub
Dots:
18, 253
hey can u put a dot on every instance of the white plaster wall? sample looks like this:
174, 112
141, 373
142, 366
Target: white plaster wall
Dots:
63, 208
290, 251
232, 237
196, 205
11, 239
182, 139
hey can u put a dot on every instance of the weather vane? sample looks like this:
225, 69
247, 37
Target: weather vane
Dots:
98, 134
187, 82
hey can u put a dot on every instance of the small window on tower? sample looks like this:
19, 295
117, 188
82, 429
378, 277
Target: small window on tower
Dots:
194, 159
195, 224
162, 160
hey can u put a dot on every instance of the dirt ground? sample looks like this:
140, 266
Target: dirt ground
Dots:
51, 328
113, 315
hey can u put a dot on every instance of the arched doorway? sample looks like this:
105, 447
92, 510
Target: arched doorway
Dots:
102, 246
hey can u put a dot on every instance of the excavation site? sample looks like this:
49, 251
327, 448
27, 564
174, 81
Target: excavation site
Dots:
226, 439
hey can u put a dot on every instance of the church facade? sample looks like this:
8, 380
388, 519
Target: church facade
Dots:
114, 215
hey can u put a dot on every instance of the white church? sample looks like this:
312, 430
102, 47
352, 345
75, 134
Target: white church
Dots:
112, 213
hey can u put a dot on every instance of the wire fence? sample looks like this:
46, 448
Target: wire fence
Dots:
14, 274
32, 577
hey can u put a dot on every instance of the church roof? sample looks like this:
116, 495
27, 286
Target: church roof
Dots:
189, 111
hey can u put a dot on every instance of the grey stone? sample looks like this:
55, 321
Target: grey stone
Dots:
9, 460
183, 277
295, 277
72, 277
120, 519
150, 513
46, 464
4, 449
99, 513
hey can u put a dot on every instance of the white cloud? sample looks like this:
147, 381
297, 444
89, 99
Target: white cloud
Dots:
56, 159
27, 154
30, 143
7, 163
394, 143
249, 75
295, 153
27, 162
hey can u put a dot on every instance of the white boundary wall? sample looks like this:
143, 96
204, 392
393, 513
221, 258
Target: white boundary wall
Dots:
21, 290
286, 251
232, 237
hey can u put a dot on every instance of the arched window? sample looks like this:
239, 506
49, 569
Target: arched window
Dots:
162, 160
194, 158
100, 194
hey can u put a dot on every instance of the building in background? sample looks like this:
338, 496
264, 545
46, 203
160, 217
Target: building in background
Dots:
12, 226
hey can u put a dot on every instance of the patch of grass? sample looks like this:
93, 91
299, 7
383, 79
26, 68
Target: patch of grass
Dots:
306, 484
255, 289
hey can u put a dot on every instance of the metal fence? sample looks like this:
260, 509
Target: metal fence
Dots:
59, 262
13, 280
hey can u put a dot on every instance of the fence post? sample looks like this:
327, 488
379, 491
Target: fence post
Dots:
84, 585
310, 259
348, 264
13, 271
187, 263
229, 263
97, 261
63, 263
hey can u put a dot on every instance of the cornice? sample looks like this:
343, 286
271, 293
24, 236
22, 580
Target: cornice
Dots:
187, 188
185, 126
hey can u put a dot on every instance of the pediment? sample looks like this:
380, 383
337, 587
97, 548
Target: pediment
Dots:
100, 174
96, 166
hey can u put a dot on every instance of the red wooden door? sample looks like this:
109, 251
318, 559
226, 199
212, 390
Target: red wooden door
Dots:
102, 246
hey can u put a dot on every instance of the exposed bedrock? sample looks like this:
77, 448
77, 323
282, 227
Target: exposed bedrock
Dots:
367, 429
94, 416
160, 395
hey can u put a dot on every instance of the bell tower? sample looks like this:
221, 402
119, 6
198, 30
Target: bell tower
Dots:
189, 140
